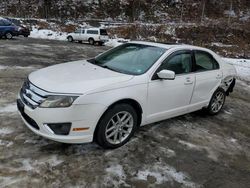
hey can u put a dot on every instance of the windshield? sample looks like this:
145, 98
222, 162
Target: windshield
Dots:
134, 59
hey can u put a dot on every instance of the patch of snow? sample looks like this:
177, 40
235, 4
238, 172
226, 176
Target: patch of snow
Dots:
242, 67
233, 140
10, 108
165, 173
116, 42
230, 13
26, 165
219, 44
211, 154
47, 34
227, 112
3, 67
4, 131
245, 18
116, 170
6, 143
115, 176
8, 181
167, 152
54, 161
188, 144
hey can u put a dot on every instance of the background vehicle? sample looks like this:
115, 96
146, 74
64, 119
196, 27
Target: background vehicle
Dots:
24, 31
7, 29
91, 35
107, 98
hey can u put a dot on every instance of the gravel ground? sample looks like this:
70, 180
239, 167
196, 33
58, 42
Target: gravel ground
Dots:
193, 150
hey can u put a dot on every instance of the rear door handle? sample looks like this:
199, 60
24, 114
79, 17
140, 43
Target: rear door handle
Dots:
188, 81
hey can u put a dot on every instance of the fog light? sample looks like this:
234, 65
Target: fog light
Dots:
60, 128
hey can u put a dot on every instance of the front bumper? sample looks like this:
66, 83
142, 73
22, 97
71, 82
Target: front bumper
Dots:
15, 33
83, 119
24, 33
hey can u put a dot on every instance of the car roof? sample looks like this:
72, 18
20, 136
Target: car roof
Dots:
171, 45
89, 28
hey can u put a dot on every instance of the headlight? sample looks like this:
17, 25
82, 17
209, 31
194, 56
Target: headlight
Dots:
58, 101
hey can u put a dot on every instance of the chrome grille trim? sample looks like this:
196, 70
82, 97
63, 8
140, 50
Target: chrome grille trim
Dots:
30, 100
34, 96
38, 91
31, 95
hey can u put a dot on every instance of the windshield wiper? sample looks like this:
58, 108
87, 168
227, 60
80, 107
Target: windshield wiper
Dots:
93, 61
110, 68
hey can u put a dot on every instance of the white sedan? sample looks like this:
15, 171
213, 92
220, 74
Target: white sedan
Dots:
107, 98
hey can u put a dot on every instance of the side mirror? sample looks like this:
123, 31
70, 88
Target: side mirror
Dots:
166, 74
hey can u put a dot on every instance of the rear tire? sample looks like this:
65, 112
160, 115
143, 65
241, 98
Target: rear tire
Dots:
217, 101
91, 41
8, 35
117, 126
70, 39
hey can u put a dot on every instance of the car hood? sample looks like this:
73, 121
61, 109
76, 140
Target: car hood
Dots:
77, 77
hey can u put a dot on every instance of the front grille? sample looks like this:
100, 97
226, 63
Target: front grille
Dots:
31, 95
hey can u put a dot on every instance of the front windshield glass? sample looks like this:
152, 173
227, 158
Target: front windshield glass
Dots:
134, 59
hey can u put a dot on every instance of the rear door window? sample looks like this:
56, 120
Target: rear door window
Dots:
205, 61
95, 32
78, 31
4, 23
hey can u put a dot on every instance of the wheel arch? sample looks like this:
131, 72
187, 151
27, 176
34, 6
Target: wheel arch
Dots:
135, 104
91, 38
8, 31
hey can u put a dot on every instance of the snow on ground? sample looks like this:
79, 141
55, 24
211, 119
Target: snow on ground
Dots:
165, 173
219, 44
10, 108
5, 131
242, 67
47, 34
3, 67
116, 42
115, 176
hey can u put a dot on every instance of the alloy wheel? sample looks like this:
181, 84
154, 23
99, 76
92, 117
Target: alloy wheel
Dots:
217, 102
8, 35
119, 127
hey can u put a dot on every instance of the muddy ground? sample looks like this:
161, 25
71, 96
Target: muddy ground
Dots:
193, 150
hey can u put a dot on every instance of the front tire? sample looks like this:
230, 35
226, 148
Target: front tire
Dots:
217, 101
8, 35
70, 39
91, 41
116, 126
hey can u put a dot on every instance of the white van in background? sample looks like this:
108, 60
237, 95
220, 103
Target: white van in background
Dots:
91, 35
